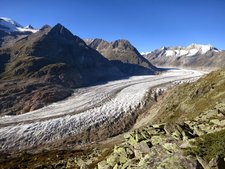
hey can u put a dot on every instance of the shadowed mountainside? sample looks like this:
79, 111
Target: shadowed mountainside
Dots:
45, 66
121, 51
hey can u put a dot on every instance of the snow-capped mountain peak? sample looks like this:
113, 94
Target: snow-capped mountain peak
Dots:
8, 25
29, 27
163, 48
202, 48
191, 50
10, 21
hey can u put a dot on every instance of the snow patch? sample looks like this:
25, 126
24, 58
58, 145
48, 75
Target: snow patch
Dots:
170, 53
205, 48
145, 53
183, 52
27, 30
192, 52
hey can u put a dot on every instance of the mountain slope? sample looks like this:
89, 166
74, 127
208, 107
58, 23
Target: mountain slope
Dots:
58, 44
189, 100
45, 66
11, 31
123, 51
195, 55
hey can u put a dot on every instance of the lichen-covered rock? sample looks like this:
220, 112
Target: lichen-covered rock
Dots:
116, 167
112, 160
103, 165
122, 154
145, 134
139, 137
126, 135
130, 152
156, 140
164, 146
170, 163
170, 147
221, 108
140, 149
131, 140
209, 121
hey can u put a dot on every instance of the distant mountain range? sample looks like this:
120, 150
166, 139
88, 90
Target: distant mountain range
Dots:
38, 67
192, 56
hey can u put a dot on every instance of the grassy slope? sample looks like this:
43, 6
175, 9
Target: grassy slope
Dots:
189, 100
209, 146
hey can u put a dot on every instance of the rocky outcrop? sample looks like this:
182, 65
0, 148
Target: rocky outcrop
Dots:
156, 146
170, 146
209, 121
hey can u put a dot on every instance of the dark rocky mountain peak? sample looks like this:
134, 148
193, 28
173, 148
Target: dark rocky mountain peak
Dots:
56, 43
122, 44
29, 27
59, 29
45, 26
123, 51
99, 44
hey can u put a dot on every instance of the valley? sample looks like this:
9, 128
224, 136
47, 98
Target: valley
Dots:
79, 101
89, 109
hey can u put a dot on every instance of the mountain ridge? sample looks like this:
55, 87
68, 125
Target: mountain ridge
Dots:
122, 50
194, 55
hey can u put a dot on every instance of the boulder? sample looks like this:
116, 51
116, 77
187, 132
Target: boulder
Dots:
170, 163
113, 159
103, 165
156, 140
170, 147
221, 108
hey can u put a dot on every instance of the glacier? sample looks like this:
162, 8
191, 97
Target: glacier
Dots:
88, 106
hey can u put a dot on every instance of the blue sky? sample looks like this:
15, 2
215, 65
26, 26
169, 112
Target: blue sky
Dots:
147, 24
